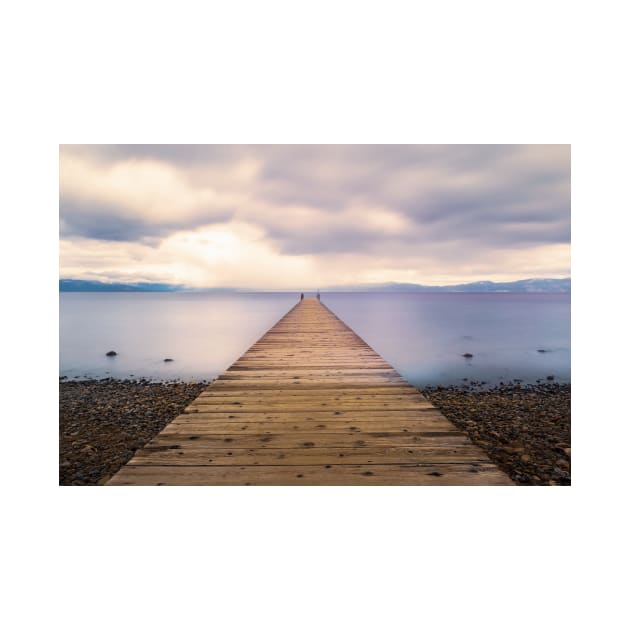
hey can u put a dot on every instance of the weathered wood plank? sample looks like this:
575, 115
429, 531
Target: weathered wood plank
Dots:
239, 415
310, 406
198, 455
315, 426
370, 474
309, 440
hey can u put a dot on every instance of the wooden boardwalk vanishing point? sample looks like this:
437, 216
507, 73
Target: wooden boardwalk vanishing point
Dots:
310, 403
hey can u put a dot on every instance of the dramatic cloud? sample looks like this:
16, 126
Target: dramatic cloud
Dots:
283, 216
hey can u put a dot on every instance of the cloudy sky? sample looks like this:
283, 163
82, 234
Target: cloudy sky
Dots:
307, 216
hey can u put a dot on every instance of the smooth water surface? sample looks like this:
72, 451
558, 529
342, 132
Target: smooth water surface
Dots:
203, 333
423, 335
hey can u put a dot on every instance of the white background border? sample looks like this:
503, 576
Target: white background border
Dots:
343, 72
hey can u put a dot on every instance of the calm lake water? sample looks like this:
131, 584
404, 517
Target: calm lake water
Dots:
423, 335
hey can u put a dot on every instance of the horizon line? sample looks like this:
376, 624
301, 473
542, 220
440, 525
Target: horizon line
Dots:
153, 286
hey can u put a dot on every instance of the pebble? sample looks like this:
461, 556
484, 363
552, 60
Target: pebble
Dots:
103, 422
525, 430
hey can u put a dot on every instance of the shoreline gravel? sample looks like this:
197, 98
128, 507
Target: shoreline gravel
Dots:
524, 429
103, 422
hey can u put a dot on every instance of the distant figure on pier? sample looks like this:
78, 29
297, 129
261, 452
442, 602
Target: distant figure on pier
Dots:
318, 294
301, 296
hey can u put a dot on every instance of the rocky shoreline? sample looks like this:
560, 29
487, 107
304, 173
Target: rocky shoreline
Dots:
103, 422
524, 429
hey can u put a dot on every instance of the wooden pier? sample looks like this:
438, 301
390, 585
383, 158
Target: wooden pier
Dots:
310, 403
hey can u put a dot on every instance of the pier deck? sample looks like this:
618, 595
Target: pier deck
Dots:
310, 403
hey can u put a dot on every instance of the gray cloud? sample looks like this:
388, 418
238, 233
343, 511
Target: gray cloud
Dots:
104, 222
474, 196
108, 222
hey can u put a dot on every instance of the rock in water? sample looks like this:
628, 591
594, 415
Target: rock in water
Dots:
167, 360
111, 353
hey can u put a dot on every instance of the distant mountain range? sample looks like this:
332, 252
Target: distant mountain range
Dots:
532, 285
94, 285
